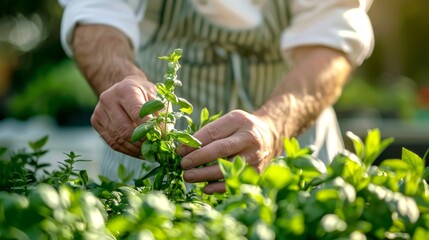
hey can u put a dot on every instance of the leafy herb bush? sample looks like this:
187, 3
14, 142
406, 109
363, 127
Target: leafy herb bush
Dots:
160, 138
294, 197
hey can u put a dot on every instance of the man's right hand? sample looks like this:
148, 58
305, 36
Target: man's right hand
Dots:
117, 113
106, 58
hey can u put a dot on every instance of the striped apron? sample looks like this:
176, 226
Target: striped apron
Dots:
221, 69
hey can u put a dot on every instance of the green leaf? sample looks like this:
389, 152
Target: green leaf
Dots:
426, 174
141, 131
397, 166
145, 148
38, 144
238, 165
155, 134
420, 233
191, 124
119, 225
225, 167
275, 176
385, 143
374, 146
357, 144
174, 56
149, 174
169, 80
121, 171
165, 146
186, 138
291, 147
150, 107
165, 58
158, 179
355, 174
204, 116
213, 118
425, 155
161, 89
172, 98
373, 138
249, 176
416, 163
185, 106
83, 174
177, 54
309, 163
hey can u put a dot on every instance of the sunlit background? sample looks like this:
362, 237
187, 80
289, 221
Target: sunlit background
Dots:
42, 92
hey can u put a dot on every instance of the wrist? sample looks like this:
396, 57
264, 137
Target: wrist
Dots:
104, 55
275, 130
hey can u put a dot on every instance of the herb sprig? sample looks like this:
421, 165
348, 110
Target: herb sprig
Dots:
160, 138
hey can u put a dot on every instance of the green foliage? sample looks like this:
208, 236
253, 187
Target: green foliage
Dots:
349, 199
373, 146
295, 197
390, 96
53, 92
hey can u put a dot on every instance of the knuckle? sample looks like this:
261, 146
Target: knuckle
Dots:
104, 98
226, 148
135, 112
255, 138
112, 143
94, 121
237, 116
125, 131
124, 85
213, 132
115, 147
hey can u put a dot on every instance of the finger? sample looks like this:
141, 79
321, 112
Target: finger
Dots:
102, 122
131, 100
221, 128
230, 146
217, 187
119, 144
121, 121
209, 173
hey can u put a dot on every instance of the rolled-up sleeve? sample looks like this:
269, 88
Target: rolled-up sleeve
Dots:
340, 24
123, 15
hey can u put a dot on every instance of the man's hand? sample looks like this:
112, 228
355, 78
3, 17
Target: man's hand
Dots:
117, 113
106, 59
236, 133
314, 83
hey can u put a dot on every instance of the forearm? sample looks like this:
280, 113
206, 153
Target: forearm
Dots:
314, 83
104, 55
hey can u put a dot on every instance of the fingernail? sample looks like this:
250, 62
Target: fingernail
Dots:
189, 176
186, 163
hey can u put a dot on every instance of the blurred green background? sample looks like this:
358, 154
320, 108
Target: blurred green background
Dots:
389, 91
36, 77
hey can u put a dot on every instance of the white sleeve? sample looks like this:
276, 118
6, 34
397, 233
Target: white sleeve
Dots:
121, 14
340, 24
